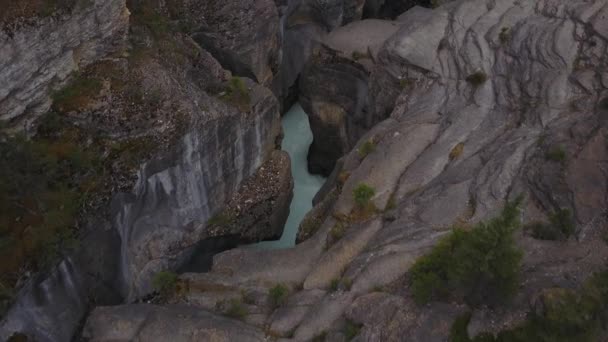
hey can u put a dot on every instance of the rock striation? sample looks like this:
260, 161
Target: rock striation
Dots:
37, 57
476, 97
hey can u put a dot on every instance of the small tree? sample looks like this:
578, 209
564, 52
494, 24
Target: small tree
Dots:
478, 264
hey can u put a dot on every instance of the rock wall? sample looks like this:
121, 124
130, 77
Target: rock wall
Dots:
37, 57
334, 89
478, 94
159, 222
167, 90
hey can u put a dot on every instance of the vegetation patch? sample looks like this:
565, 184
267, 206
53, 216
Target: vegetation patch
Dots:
391, 203
278, 295
366, 148
343, 177
351, 330
347, 283
165, 283
364, 208
457, 151
77, 95
478, 265
236, 309
47, 183
13, 10
560, 226
556, 154
333, 286
322, 337
237, 94
145, 15
309, 225
357, 55
222, 219
363, 193
478, 78
337, 231
566, 315
405, 82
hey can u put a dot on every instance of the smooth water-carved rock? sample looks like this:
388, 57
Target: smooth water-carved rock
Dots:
487, 100
334, 90
155, 323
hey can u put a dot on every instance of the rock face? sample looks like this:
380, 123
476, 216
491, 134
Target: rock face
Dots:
169, 323
37, 58
188, 185
204, 145
483, 100
259, 209
334, 90
242, 35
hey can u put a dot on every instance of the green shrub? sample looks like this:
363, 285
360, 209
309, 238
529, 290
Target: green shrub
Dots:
479, 265
565, 316
562, 219
477, 78
164, 282
338, 231
556, 154
561, 226
236, 309
237, 94
351, 330
363, 193
366, 148
278, 295
333, 286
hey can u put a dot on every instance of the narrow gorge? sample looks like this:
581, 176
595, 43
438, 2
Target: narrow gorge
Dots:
304, 170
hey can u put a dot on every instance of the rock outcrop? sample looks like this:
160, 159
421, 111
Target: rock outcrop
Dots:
242, 35
334, 90
484, 100
170, 323
38, 55
191, 135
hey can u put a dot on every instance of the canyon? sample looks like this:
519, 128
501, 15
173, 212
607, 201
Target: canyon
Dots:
288, 164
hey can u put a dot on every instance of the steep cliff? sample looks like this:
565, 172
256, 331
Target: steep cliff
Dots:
484, 101
38, 54
171, 135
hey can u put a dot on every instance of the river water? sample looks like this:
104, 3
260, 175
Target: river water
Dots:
296, 142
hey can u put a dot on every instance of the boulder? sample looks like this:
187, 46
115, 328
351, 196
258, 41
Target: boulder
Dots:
155, 323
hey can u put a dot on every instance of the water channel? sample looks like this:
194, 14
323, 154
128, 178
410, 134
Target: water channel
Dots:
296, 142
